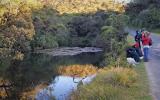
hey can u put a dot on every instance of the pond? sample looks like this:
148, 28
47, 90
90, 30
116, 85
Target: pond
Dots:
38, 69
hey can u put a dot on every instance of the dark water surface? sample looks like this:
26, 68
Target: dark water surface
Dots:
39, 68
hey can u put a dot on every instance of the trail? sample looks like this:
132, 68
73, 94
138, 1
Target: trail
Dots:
153, 66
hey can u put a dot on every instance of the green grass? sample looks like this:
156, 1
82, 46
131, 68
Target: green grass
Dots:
157, 31
142, 91
99, 89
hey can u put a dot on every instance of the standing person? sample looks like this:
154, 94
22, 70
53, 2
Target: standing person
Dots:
138, 37
143, 32
147, 42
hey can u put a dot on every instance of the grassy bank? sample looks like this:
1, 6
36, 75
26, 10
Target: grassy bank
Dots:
101, 89
122, 84
157, 31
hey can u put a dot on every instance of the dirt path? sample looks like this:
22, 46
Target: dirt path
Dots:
153, 66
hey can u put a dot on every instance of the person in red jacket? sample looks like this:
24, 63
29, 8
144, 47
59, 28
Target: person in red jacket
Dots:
146, 42
138, 49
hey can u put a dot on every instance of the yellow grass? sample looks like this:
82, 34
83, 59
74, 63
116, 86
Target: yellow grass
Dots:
116, 84
2, 90
77, 70
32, 93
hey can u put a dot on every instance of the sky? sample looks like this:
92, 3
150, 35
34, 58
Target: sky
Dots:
126, 1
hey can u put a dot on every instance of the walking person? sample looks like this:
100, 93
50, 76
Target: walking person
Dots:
146, 42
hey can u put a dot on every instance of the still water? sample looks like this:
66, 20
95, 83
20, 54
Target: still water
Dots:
35, 69
62, 87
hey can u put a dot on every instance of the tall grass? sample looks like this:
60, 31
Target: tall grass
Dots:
116, 84
77, 70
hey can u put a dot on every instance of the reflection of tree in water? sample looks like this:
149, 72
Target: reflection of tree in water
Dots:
24, 77
38, 69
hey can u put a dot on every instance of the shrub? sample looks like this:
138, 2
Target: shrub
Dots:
44, 42
117, 20
77, 70
18, 56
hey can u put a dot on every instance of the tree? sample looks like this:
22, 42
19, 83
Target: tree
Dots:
16, 29
144, 14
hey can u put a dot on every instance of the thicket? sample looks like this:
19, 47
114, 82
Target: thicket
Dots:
16, 27
144, 14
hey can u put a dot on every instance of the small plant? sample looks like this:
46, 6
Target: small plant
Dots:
18, 56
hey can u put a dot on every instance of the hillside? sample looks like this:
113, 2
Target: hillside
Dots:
85, 6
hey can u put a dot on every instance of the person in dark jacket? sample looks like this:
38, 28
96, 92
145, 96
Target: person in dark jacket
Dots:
132, 53
138, 37
138, 49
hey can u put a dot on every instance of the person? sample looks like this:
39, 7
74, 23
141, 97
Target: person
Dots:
138, 37
131, 53
146, 42
138, 49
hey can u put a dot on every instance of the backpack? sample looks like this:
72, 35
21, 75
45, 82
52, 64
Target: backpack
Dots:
138, 37
150, 42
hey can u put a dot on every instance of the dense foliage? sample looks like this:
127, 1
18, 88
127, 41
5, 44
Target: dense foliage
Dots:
16, 28
77, 70
144, 14
32, 25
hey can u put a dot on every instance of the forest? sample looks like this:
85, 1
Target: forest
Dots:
144, 14
27, 26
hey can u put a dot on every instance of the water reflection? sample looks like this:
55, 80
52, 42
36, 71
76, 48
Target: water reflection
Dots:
36, 69
61, 87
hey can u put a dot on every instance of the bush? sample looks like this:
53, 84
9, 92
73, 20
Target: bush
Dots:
118, 20
77, 70
114, 44
44, 42
104, 39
